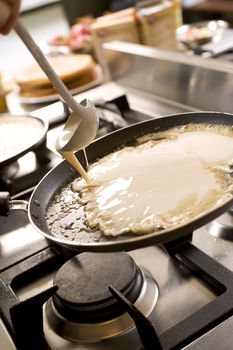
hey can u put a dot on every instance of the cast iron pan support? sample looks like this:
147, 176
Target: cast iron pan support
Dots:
29, 330
215, 275
23, 319
146, 331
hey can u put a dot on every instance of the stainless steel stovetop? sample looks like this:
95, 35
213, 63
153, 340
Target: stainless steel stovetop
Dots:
183, 289
180, 292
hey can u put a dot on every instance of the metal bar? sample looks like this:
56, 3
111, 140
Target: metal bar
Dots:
212, 314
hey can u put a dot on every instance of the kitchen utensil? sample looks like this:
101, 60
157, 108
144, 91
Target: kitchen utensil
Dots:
194, 35
83, 122
62, 174
14, 142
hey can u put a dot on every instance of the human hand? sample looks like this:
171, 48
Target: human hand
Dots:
9, 11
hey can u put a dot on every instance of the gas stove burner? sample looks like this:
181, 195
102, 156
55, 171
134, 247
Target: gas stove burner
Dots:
83, 294
222, 227
83, 308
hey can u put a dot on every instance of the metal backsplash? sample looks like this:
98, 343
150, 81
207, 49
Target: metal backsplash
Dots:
205, 84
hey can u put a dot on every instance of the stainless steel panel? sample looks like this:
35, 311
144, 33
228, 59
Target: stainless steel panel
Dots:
6, 342
220, 338
205, 84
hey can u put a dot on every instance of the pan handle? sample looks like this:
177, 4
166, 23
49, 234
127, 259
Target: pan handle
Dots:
7, 204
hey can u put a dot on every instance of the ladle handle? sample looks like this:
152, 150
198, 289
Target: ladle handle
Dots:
46, 66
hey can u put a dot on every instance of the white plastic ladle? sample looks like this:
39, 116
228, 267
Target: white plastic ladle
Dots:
82, 124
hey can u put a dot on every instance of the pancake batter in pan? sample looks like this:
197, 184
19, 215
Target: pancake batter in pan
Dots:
158, 184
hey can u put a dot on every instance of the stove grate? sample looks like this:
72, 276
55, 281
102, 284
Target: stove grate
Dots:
206, 268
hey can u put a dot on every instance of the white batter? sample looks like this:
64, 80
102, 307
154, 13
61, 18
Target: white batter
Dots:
157, 185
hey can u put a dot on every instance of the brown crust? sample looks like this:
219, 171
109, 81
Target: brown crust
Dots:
68, 68
47, 91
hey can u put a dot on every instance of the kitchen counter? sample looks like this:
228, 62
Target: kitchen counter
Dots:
171, 80
189, 80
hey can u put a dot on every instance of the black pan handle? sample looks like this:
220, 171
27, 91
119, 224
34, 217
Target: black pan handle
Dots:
7, 204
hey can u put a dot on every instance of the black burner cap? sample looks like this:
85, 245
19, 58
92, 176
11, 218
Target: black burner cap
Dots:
83, 295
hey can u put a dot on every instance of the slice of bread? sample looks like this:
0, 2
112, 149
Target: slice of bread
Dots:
74, 70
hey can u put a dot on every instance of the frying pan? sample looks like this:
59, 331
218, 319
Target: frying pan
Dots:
42, 126
63, 174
